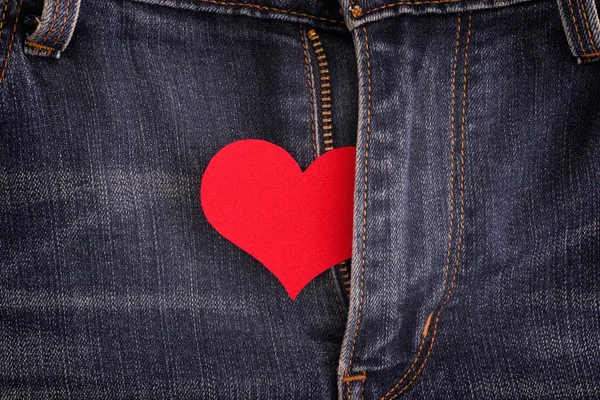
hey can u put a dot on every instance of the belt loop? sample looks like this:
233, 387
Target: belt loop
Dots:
54, 30
580, 20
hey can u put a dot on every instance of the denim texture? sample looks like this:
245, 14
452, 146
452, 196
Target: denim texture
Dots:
477, 200
477, 237
112, 283
582, 26
54, 29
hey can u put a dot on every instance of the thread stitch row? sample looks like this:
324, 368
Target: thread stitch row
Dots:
451, 206
10, 45
39, 46
54, 15
62, 28
587, 26
365, 204
389, 395
584, 53
3, 16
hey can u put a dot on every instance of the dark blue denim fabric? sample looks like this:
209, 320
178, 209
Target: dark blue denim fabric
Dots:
112, 283
477, 226
477, 207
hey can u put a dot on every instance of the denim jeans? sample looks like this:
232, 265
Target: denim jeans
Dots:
475, 271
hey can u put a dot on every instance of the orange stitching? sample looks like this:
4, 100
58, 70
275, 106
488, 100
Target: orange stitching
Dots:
576, 29
10, 45
62, 28
587, 26
451, 205
349, 379
3, 15
452, 154
590, 55
39, 46
410, 3
356, 11
355, 378
51, 26
427, 325
299, 14
461, 214
365, 198
409, 370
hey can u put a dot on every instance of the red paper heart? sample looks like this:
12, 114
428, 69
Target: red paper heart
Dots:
297, 224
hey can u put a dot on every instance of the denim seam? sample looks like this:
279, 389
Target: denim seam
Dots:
365, 205
587, 26
583, 52
348, 380
62, 28
451, 205
579, 40
51, 25
355, 378
10, 45
446, 295
267, 8
408, 2
3, 16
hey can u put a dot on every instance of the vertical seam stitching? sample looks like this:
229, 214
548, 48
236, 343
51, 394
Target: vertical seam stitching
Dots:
575, 26
461, 217
51, 26
10, 45
365, 200
461, 212
62, 28
587, 25
39, 46
424, 334
3, 16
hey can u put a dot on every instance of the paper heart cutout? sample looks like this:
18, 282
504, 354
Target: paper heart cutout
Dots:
296, 224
